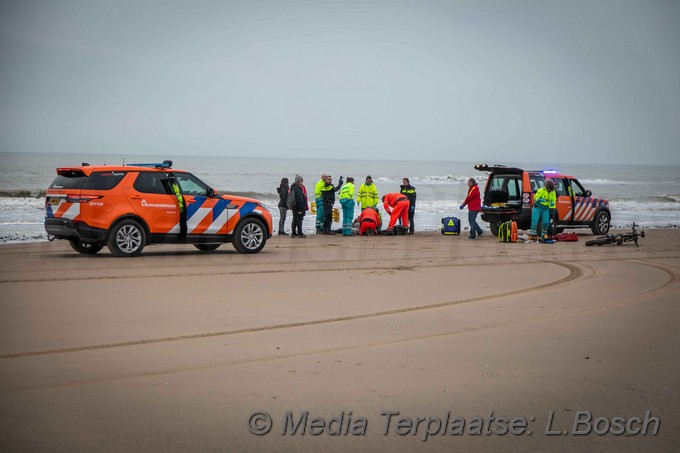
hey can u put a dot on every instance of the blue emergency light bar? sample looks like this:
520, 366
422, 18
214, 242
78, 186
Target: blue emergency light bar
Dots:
164, 164
551, 171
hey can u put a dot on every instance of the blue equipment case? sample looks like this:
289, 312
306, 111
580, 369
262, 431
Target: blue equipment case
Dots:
451, 225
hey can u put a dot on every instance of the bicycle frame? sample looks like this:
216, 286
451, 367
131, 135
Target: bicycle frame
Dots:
619, 238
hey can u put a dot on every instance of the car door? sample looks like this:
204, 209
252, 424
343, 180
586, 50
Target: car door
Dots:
584, 204
152, 200
206, 214
565, 202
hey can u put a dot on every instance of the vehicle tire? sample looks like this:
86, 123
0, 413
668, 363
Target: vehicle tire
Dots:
559, 230
601, 223
598, 241
207, 247
85, 248
127, 238
250, 236
493, 226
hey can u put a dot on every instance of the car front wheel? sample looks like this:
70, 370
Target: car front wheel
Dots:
127, 238
601, 223
250, 236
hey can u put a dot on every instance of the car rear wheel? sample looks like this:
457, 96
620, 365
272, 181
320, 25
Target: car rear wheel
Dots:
494, 228
250, 236
207, 247
601, 223
85, 248
127, 238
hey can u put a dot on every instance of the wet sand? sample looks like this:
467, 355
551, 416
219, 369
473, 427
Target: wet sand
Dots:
176, 349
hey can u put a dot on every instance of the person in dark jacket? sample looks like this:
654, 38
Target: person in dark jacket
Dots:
328, 197
410, 192
474, 203
283, 207
300, 207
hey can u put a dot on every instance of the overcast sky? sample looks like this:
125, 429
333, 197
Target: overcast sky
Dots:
507, 80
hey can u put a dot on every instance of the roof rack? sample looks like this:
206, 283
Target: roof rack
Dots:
164, 164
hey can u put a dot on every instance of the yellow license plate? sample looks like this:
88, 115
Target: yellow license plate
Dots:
54, 200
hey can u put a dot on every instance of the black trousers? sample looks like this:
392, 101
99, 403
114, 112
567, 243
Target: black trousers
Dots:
327, 215
183, 224
296, 225
411, 214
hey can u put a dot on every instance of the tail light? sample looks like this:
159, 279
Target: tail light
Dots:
526, 200
82, 198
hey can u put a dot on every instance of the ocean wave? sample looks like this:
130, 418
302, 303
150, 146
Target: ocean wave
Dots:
613, 182
432, 179
673, 198
250, 194
602, 181
23, 193
645, 206
21, 203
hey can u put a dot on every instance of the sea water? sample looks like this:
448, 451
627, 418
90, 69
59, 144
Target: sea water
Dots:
646, 195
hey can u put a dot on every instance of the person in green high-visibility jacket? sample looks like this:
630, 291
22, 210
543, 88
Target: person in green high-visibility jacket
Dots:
174, 185
544, 200
318, 200
368, 194
347, 203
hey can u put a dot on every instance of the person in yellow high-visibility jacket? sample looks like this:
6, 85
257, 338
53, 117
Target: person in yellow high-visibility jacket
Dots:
174, 185
544, 200
368, 194
347, 203
318, 200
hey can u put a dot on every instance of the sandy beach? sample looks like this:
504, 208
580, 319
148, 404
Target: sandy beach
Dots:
176, 350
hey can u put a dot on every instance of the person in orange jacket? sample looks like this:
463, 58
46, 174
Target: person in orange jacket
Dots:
369, 222
396, 205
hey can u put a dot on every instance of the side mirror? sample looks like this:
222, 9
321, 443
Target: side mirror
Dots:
588, 193
211, 192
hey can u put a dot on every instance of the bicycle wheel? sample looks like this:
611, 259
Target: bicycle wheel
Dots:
599, 241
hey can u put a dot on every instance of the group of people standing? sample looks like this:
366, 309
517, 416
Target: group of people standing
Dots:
400, 206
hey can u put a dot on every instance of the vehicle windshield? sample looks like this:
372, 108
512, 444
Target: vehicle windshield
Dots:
69, 180
537, 181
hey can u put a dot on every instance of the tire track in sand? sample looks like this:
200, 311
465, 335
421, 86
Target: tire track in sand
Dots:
575, 273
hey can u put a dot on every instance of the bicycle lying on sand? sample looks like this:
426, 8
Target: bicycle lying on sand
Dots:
618, 239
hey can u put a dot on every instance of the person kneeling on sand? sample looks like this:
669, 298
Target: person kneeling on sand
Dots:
369, 222
396, 205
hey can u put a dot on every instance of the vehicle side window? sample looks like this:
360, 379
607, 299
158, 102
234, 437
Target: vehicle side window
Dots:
560, 188
151, 182
578, 189
513, 190
191, 185
104, 180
